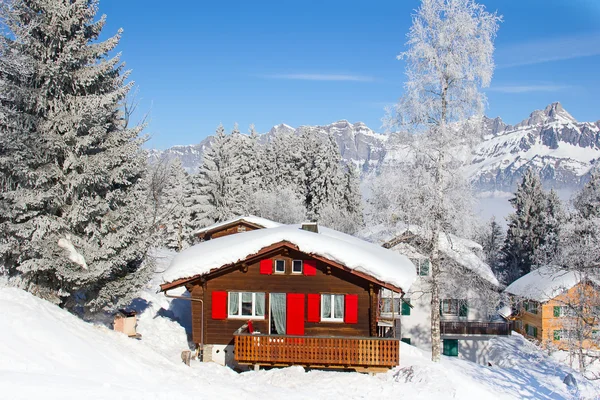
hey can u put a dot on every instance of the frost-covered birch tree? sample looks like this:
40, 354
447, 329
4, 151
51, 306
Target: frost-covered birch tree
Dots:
449, 59
72, 171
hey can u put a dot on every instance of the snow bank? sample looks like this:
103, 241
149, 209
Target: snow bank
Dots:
544, 283
265, 223
354, 253
45, 352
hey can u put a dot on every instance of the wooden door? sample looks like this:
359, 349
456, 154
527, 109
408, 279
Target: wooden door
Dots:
295, 314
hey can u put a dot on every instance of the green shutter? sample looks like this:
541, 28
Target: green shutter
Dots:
463, 310
441, 301
424, 268
527, 329
556, 334
450, 347
534, 331
556, 313
406, 307
405, 340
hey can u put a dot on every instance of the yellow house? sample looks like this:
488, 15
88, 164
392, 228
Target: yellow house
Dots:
557, 308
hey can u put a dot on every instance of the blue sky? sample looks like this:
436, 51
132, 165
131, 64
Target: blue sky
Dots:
201, 63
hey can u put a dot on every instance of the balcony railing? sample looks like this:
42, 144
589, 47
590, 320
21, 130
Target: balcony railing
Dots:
316, 351
474, 328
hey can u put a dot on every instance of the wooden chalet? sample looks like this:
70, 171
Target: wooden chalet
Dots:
290, 297
556, 308
235, 225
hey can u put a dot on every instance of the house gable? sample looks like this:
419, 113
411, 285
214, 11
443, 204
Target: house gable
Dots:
246, 276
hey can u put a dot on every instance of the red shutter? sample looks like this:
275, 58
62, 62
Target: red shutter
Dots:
314, 307
295, 314
310, 267
351, 309
219, 305
266, 267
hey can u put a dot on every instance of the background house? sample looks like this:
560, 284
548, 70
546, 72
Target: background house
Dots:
469, 296
556, 307
256, 293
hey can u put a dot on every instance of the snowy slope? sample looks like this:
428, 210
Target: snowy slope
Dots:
46, 352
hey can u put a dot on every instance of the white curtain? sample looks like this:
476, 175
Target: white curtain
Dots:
326, 309
259, 308
247, 303
233, 303
339, 306
278, 312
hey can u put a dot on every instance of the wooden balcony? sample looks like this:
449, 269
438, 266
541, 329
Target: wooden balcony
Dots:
474, 328
359, 353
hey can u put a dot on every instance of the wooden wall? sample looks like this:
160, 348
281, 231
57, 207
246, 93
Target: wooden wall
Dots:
229, 230
234, 279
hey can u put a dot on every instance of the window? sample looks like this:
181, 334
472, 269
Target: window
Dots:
332, 307
386, 305
280, 266
531, 330
451, 347
246, 305
564, 311
531, 306
297, 267
557, 335
454, 307
241, 228
422, 265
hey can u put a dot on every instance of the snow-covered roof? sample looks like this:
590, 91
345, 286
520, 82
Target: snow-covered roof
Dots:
462, 251
544, 283
265, 223
356, 254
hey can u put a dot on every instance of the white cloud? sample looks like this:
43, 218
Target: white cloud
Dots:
547, 50
322, 77
528, 88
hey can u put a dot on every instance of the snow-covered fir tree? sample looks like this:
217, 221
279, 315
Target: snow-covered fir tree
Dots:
71, 170
169, 185
346, 214
587, 201
449, 58
492, 239
218, 184
526, 228
324, 184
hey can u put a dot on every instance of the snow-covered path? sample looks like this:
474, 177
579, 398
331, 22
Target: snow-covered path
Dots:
47, 352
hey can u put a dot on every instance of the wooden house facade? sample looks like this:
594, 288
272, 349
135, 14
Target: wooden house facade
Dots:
282, 305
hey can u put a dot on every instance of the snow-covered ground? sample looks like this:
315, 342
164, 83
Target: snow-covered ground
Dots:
47, 352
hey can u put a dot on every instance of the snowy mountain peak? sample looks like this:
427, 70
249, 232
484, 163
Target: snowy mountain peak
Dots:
552, 113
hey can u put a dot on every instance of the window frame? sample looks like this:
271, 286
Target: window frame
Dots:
276, 261
239, 315
301, 267
332, 317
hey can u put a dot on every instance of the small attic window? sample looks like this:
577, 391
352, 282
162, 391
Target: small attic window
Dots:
241, 228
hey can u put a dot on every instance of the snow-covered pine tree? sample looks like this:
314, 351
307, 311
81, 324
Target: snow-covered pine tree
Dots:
449, 58
492, 240
324, 183
284, 162
220, 190
173, 213
72, 171
345, 213
587, 201
526, 228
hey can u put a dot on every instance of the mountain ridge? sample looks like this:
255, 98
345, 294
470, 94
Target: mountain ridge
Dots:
551, 141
